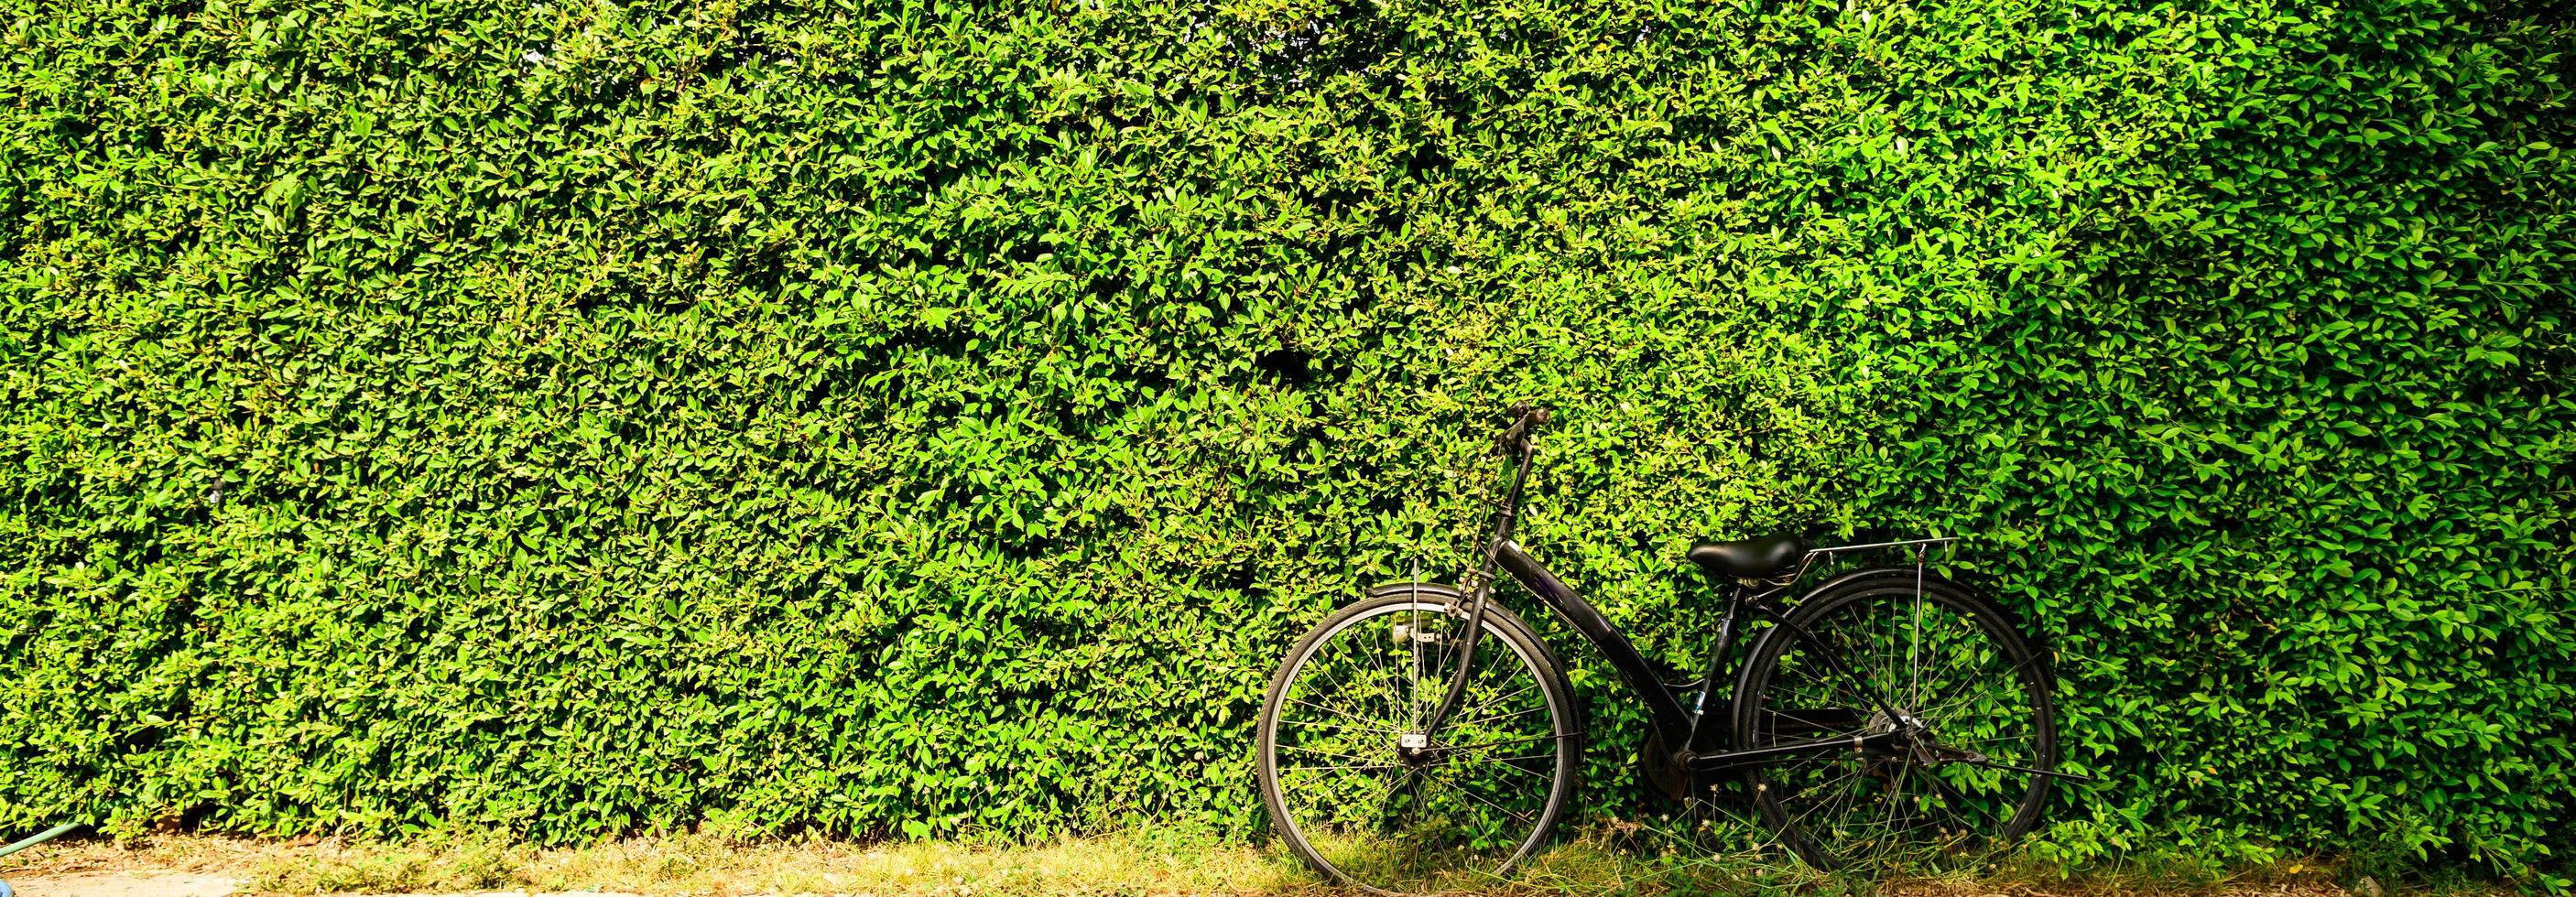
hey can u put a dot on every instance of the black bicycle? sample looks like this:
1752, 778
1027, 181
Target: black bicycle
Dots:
1424, 738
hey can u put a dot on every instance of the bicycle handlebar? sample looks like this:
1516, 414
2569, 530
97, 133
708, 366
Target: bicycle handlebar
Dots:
1524, 420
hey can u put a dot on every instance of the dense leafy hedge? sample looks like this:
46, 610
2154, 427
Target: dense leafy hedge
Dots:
575, 417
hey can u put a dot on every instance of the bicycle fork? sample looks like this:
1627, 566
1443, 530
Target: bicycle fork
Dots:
1412, 743
1482, 590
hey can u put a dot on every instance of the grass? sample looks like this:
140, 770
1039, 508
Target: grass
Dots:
1619, 857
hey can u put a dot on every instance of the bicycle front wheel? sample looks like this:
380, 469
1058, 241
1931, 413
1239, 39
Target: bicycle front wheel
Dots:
1359, 790
1945, 705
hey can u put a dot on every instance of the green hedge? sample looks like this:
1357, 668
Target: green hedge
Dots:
575, 418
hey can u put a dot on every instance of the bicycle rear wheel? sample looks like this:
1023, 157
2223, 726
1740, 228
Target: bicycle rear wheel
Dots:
1364, 795
1955, 701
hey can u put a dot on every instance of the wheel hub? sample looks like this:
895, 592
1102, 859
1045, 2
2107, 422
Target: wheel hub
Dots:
1415, 749
1882, 761
1914, 743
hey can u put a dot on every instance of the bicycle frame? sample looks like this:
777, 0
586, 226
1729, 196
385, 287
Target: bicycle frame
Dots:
1691, 736
1642, 677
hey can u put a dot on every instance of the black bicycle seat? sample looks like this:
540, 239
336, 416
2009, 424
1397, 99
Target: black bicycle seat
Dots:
1761, 558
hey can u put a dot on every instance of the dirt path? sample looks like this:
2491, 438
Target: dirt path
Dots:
125, 884
198, 884
191, 884
1143, 865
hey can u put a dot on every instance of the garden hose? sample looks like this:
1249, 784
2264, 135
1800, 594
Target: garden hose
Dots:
49, 835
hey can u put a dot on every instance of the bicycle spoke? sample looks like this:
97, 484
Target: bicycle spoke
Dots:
1324, 753
1514, 714
1378, 659
1336, 713
1495, 744
1957, 803
1467, 713
1413, 676
2010, 673
1338, 727
1508, 763
1963, 688
1517, 816
1320, 768
1333, 676
1914, 648
1352, 801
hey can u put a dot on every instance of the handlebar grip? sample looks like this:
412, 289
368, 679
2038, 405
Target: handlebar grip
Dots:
1524, 419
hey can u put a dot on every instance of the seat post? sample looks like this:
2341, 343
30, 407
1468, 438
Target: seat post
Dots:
1706, 735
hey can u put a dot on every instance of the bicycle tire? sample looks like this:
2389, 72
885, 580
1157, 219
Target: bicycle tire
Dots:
1990, 682
1348, 851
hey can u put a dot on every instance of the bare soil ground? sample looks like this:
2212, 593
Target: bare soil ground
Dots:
128, 884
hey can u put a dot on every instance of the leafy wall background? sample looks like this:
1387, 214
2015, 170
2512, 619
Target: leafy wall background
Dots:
894, 418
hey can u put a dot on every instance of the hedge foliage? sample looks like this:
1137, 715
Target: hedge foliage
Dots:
576, 417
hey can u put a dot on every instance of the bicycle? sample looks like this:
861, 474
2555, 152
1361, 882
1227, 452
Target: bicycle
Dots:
1415, 762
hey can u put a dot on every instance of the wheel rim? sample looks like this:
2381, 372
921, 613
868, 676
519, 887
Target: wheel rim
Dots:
1964, 694
1364, 796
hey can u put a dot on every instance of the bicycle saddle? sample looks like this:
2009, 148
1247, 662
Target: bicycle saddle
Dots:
1751, 558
